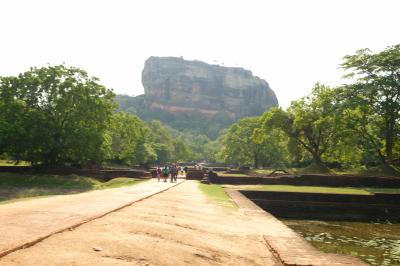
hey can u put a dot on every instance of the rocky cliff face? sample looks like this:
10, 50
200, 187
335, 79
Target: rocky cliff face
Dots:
180, 86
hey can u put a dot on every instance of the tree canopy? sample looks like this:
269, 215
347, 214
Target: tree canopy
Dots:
54, 114
57, 115
374, 99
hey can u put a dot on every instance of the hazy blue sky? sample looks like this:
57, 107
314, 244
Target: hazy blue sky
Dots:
291, 44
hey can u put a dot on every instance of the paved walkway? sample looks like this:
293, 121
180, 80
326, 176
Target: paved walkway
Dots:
24, 223
288, 246
180, 226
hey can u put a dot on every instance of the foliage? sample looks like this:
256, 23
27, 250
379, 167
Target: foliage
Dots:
54, 114
131, 140
162, 141
244, 144
59, 115
342, 127
311, 121
194, 124
238, 145
374, 100
182, 150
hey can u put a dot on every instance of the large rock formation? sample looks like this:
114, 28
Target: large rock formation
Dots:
180, 86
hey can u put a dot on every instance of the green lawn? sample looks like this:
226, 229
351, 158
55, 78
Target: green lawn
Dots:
18, 186
233, 175
383, 190
218, 194
306, 189
13, 163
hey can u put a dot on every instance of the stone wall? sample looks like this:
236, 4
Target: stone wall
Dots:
322, 206
311, 180
194, 174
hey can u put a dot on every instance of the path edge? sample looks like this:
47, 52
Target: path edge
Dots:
71, 227
251, 209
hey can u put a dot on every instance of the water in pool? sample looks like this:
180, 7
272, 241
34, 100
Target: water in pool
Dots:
375, 243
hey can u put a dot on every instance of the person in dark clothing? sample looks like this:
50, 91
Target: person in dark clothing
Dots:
166, 172
176, 172
172, 171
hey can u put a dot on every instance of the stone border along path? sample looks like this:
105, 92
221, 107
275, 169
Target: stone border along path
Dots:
25, 223
289, 247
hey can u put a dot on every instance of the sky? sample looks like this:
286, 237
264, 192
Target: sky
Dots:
290, 44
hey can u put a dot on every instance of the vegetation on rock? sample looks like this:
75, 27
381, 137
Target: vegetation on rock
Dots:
59, 115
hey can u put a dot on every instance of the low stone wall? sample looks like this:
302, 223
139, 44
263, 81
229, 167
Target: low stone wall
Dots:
100, 174
311, 180
322, 206
218, 169
194, 174
16, 169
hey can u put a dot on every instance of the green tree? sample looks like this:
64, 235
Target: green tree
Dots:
374, 99
310, 121
244, 143
198, 146
162, 141
182, 151
131, 140
53, 115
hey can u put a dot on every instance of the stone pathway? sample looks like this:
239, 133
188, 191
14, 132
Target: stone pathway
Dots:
24, 223
288, 246
180, 226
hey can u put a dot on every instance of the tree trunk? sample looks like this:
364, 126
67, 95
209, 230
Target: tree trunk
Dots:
317, 159
256, 160
389, 147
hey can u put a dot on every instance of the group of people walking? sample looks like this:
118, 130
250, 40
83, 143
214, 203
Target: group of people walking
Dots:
170, 171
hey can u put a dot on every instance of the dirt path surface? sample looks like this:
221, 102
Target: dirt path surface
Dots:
180, 226
26, 222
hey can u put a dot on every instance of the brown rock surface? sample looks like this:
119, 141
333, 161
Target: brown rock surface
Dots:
178, 86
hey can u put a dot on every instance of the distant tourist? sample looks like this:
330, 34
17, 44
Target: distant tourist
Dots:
165, 173
172, 170
159, 172
176, 172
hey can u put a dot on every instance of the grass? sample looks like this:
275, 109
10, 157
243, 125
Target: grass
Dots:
218, 194
18, 186
232, 175
314, 168
305, 189
13, 163
383, 190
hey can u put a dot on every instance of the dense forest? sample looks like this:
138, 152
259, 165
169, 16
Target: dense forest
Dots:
60, 115
191, 123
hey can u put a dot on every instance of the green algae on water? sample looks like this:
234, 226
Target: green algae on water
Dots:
375, 243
